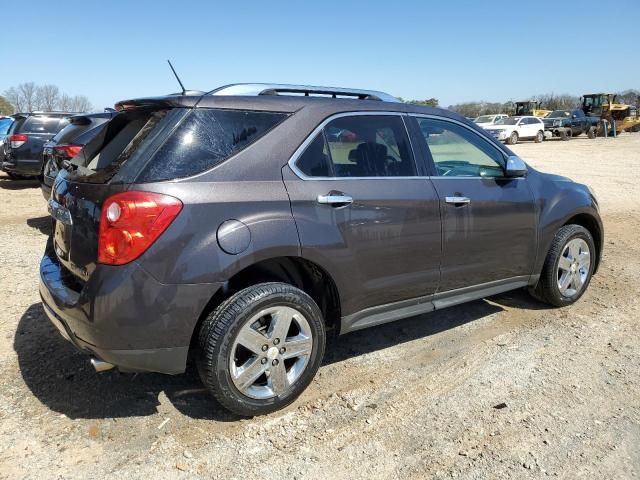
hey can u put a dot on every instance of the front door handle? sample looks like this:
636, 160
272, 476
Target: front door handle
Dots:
335, 199
457, 201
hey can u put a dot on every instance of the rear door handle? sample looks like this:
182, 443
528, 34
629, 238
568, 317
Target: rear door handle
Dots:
457, 201
335, 200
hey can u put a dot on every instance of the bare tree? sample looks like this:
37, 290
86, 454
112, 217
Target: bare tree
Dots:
475, 109
65, 103
80, 103
551, 101
13, 97
629, 97
27, 92
48, 97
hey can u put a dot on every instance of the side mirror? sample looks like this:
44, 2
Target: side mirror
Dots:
515, 167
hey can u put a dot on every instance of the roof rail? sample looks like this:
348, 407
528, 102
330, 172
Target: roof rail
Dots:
256, 89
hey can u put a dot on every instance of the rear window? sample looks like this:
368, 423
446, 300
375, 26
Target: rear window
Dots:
150, 146
44, 125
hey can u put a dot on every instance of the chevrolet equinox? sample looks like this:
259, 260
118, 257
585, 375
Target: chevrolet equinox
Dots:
244, 225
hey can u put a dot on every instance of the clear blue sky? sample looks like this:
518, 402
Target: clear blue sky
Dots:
452, 50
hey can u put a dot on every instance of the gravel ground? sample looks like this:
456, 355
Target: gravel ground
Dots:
418, 398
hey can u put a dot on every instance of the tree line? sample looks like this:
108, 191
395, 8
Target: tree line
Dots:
549, 101
28, 97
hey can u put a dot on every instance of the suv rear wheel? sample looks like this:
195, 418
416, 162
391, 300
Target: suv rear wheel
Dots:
568, 267
539, 137
261, 348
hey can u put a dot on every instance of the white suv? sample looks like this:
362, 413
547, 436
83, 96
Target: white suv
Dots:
488, 120
513, 129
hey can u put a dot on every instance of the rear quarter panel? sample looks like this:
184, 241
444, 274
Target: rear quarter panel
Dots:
188, 252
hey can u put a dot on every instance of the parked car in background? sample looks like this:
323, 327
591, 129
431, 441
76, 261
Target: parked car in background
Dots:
68, 142
25, 141
233, 228
5, 125
487, 120
570, 123
513, 129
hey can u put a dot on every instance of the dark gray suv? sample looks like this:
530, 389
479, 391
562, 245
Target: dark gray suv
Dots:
246, 224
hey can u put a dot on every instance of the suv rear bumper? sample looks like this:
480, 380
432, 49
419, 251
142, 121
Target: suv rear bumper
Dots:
124, 316
30, 168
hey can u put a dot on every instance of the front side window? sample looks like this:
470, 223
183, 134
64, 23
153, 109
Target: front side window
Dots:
359, 146
459, 152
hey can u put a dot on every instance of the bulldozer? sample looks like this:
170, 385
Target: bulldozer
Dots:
603, 105
530, 107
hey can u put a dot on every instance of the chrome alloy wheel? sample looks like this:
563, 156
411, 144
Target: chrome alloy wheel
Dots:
573, 267
270, 352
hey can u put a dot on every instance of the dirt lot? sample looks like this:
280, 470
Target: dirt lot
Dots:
413, 399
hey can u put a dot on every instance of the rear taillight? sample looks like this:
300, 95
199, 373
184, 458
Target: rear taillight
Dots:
68, 151
130, 222
17, 140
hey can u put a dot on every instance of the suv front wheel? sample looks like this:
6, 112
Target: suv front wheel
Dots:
261, 348
568, 267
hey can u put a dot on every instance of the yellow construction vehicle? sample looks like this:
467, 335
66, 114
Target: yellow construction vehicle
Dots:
604, 105
530, 107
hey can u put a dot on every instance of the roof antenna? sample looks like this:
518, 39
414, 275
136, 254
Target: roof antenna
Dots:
184, 90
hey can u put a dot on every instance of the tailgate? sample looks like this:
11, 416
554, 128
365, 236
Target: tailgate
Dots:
75, 207
87, 181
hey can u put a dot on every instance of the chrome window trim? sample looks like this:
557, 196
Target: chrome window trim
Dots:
311, 137
300, 150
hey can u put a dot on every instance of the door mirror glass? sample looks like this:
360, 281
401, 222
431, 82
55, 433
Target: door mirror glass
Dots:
515, 167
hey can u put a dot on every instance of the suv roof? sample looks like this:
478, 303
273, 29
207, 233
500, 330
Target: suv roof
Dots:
286, 99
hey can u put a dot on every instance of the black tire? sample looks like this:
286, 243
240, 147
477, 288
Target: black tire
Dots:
539, 138
513, 138
565, 135
220, 329
547, 289
591, 133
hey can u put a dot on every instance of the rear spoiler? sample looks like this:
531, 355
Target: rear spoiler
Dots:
168, 101
86, 119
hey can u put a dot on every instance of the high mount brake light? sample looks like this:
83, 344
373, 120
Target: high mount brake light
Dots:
17, 140
69, 151
130, 222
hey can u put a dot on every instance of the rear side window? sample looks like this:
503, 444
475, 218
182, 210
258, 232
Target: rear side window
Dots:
205, 138
44, 125
151, 145
359, 146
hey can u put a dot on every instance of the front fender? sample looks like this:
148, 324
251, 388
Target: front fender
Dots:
560, 201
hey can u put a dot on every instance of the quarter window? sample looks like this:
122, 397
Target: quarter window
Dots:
359, 146
458, 152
